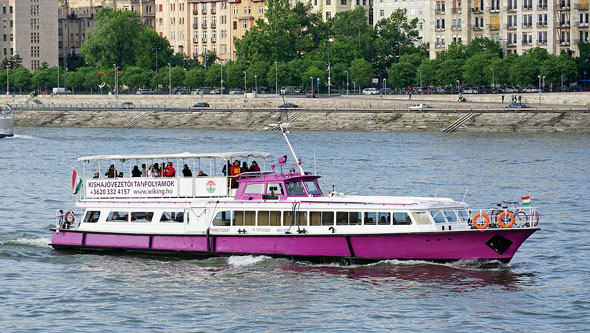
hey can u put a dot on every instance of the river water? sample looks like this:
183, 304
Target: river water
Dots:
546, 286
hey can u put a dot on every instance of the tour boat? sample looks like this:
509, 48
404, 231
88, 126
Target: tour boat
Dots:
281, 212
6, 122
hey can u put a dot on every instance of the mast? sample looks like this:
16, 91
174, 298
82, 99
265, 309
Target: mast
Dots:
285, 128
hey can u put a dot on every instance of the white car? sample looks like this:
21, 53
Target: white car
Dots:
370, 91
419, 106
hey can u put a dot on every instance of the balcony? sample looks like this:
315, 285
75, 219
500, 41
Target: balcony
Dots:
564, 5
204, 11
494, 10
564, 42
511, 27
455, 27
511, 44
204, 40
235, 1
542, 24
582, 24
195, 26
494, 26
476, 10
438, 28
477, 28
511, 9
195, 11
527, 42
196, 39
204, 25
213, 25
565, 24
581, 6
542, 42
542, 7
440, 45
213, 39
456, 11
213, 10
439, 11
527, 8
527, 25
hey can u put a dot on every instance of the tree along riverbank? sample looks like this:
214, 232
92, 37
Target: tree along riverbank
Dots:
569, 122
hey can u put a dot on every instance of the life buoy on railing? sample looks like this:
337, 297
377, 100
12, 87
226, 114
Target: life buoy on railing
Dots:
70, 217
501, 222
480, 226
535, 218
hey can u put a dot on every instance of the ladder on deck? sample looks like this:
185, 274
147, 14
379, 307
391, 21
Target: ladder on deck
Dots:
452, 127
292, 117
139, 118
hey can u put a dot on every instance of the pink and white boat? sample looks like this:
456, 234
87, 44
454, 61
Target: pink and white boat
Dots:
279, 213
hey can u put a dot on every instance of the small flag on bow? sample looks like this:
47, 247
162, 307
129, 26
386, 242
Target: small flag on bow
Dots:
76, 182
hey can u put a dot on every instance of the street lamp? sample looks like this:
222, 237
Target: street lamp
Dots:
329, 69
7, 84
276, 78
457, 87
169, 79
346, 83
221, 73
255, 85
244, 81
420, 73
493, 84
311, 79
385, 87
539, 76
156, 49
117, 82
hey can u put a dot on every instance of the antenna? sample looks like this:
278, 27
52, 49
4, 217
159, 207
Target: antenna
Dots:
464, 195
314, 163
285, 129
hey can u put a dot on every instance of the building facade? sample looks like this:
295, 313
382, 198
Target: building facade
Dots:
329, 8
419, 9
29, 29
195, 27
516, 25
76, 19
243, 16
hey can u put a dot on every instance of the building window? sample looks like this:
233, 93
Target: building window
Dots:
328, 15
381, 13
343, 2
244, 24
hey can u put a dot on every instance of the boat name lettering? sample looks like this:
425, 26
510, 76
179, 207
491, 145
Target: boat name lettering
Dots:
219, 229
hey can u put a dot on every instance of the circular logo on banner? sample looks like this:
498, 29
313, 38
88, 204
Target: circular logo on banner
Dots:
210, 186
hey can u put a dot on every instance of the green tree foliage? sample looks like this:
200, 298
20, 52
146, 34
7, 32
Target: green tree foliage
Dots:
449, 71
361, 71
395, 37
554, 67
428, 68
22, 78
195, 77
351, 34
120, 38
476, 71
75, 80
583, 60
135, 77
14, 62
482, 44
41, 78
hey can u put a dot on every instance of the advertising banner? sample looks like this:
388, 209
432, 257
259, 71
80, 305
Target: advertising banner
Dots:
131, 188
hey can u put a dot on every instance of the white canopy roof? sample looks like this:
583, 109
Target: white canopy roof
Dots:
224, 156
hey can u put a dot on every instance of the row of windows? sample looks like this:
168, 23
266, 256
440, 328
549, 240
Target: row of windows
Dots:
304, 218
134, 217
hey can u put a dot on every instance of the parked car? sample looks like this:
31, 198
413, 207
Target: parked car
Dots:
439, 90
201, 105
181, 91
236, 92
419, 106
127, 105
530, 89
515, 106
470, 90
288, 105
385, 91
511, 89
370, 91
144, 91
310, 94
61, 91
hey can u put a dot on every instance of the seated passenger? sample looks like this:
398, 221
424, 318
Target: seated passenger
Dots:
156, 170
254, 167
96, 175
120, 174
144, 171
135, 172
245, 167
169, 171
186, 171
226, 168
235, 169
202, 174
111, 172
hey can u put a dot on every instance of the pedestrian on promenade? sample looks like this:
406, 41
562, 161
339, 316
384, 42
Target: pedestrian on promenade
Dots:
502, 99
519, 98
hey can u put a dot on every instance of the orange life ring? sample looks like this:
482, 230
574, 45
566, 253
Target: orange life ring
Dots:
70, 218
510, 216
479, 226
536, 218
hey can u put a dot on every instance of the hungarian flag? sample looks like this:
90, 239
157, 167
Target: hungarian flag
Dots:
8, 108
76, 182
526, 201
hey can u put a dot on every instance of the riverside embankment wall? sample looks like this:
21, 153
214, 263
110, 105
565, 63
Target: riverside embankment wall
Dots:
377, 113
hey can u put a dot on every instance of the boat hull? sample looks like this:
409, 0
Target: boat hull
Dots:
487, 245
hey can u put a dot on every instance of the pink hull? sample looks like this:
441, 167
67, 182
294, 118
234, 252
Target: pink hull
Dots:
444, 246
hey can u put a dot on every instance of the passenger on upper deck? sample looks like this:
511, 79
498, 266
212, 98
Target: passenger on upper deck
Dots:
226, 168
111, 172
135, 172
143, 170
96, 175
186, 171
202, 174
156, 172
152, 172
235, 169
245, 167
254, 167
169, 171
120, 174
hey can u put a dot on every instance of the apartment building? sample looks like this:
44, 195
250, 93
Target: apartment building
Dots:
329, 8
76, 19
195, 27
419, 9
517, 25
243, 16
29, 29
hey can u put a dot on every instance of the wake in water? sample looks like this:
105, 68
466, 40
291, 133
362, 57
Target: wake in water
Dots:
23, 241
22, 136
239, 261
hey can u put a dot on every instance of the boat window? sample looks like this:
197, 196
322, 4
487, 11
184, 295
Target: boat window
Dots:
384, 218
311, 187
463, 216
451, 216
263, 217
254, 189
327, 218
275, 188
295, 188
92, 216
300, 218
142, 217
421, 217
315, 218
438, 216
172, 217
222, 218
341, 218
244, 217
401, 218
370, 218
117, 217
275, 218
355, 218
